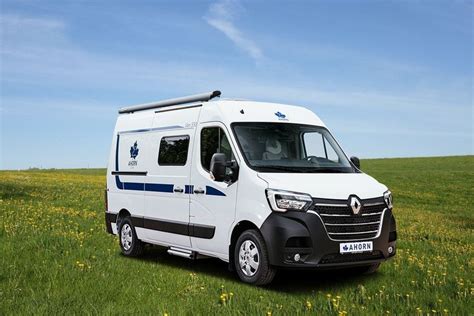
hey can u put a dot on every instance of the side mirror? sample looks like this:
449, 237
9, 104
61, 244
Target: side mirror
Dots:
355, 161
218, 164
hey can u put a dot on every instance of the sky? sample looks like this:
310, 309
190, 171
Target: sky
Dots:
389, 79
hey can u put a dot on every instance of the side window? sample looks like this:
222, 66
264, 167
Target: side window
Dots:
173, 151
214, 140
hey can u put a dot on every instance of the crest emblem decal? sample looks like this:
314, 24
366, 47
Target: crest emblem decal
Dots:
281, 116
134, 151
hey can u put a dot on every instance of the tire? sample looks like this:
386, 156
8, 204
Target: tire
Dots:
251, 259
130, 245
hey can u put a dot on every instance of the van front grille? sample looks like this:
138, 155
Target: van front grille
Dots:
342, 224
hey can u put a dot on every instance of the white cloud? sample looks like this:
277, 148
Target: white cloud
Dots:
39, 52
15, 21
221, 16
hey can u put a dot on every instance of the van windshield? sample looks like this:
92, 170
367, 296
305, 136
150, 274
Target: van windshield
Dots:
290, 148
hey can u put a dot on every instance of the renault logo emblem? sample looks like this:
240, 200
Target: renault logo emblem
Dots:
355, 204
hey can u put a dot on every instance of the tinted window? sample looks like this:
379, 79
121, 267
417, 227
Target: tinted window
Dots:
173, 151
213, 140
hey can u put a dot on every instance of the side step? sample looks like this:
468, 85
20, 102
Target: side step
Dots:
185, 253
182, 253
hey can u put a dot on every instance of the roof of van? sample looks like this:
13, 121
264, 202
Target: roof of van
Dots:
229, 111
213, 109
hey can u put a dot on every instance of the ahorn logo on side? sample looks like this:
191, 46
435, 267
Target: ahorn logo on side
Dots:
134, 151
133, 154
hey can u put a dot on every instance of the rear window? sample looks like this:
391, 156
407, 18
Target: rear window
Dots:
173, 151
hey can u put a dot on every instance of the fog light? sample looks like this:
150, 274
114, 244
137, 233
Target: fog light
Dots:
297, 257
390, 249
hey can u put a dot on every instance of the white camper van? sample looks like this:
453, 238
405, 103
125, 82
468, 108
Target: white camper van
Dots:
262, 186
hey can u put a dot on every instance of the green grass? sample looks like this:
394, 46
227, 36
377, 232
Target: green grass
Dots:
56, 257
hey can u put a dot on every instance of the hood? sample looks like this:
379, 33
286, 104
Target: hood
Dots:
326, 185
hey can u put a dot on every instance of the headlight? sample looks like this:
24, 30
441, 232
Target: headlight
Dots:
387, 196
282, 201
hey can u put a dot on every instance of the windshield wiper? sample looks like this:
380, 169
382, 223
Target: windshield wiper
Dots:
301, 169
327, 170
279, 168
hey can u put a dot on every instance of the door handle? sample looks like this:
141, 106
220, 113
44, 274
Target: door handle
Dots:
199, 191
178, 190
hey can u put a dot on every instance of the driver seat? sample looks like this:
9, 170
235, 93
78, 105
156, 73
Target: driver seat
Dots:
273, 150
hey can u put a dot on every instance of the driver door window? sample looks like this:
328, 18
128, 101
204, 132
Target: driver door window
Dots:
214, 140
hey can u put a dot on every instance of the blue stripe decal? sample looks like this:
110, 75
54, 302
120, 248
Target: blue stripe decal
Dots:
213, 191
163, 187
133, 186
159, 187
189, 189
117, 179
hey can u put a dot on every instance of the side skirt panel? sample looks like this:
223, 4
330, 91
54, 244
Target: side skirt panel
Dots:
180, 228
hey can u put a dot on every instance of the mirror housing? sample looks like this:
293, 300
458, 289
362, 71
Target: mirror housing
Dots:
217, 168
355, 161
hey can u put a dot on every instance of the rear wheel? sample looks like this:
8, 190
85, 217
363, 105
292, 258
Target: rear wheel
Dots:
129, 243
251, 259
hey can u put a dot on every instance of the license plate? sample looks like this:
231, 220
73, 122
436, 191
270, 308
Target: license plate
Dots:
355, 247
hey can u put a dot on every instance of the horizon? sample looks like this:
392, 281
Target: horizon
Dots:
105, 167
390, 80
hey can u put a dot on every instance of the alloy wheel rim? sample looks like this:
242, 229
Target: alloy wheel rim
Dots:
126, 236
249, 258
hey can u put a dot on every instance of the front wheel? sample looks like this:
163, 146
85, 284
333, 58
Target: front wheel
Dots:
251, 259
129, 243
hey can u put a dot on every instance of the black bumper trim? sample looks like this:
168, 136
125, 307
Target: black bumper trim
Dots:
278, 228
109, 219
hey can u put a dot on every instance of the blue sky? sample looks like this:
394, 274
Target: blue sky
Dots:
390, 79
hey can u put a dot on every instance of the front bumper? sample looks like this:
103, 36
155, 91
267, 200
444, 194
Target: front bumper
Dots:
304, 233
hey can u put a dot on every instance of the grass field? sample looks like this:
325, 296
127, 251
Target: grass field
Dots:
56, 257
